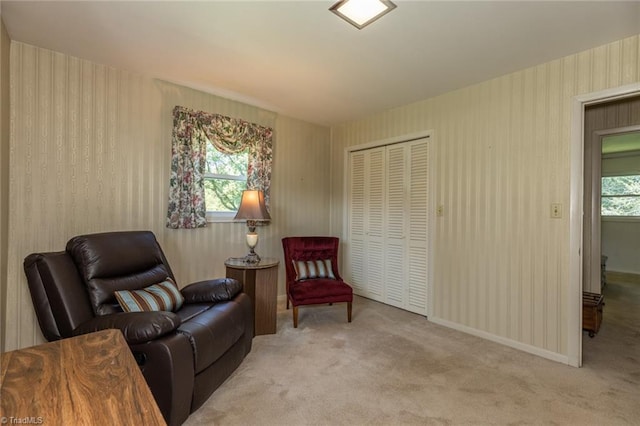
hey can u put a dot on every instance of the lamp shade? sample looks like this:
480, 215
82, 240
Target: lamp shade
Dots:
252, 206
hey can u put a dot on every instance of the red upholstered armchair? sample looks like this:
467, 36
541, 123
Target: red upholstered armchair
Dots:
311, 265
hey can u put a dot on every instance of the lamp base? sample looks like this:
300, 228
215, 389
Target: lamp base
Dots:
252, 258
252, 240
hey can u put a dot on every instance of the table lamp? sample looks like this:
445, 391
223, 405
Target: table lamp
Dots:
252, 209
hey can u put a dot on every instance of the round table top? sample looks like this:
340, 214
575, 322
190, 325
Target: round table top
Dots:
239, 263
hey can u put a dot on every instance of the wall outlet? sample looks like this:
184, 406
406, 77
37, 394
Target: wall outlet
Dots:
556, 210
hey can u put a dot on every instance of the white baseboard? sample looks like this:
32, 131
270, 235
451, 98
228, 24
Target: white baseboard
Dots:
281, 302
553, 356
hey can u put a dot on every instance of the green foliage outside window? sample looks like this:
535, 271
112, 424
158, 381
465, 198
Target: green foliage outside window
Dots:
621, 196
225, 179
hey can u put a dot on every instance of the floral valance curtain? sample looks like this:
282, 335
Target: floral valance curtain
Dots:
192, 130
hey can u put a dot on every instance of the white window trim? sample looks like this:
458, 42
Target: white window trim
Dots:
228, 217
227, 177
222, 217
219, 216
620, 218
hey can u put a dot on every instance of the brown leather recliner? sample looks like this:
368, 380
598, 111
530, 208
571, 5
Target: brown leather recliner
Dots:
184, 355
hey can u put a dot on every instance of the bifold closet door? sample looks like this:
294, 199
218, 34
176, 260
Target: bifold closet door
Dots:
417, 260
396, 220
387, 250
366, 222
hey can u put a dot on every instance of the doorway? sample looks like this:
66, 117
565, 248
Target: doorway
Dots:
608, 147
580, 248
620, 220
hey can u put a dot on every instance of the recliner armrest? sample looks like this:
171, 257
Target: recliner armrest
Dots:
137, 327
218, 290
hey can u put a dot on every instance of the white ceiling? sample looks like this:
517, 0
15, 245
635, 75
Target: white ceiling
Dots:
299, 59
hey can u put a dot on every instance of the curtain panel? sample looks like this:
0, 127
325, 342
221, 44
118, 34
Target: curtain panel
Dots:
192, 130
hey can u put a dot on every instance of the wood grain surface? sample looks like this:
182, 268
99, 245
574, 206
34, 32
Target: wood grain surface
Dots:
91, 379
260, 282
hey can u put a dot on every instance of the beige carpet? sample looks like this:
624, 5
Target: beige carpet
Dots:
391, 367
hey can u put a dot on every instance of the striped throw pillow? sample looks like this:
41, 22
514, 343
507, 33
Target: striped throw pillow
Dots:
164, 296
308, 269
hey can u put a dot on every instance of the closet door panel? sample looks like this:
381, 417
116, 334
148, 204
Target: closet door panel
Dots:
357, 195
419, 190
396, 226
396, 193
417, 248
375, 273
395, 281
417, 281
374, 228
355, 260
375, 195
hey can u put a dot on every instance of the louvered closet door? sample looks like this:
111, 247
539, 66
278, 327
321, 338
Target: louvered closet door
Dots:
406, 255
365, 251
418, 228
374, 219
354, 266
396, 226
388, 224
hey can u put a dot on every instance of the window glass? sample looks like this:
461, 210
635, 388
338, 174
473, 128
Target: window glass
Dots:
621, 195
225, 179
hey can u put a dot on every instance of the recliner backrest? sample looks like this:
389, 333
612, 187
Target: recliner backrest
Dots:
59, 296
113, 261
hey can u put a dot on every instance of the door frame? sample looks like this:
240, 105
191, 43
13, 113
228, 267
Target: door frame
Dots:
576, 222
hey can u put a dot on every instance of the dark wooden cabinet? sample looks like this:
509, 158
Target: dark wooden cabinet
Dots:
592, 309
260, 282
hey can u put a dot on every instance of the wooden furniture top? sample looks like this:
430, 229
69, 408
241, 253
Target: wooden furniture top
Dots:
238, 263
90, 379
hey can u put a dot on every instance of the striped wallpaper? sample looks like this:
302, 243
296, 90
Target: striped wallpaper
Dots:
4, 171
90, 152
501, 158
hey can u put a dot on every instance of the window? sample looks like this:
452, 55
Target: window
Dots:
224, 180
621, 196
198, 193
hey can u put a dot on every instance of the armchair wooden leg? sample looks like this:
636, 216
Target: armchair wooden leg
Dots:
349, 311
287, 302
295, 317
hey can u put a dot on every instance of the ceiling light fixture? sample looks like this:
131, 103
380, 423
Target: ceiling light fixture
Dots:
361, 13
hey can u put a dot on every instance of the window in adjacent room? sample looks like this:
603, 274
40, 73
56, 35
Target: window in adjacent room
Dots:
224, 180
621, 196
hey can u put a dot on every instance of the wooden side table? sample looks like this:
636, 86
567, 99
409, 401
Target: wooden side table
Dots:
260, 281
90, 379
